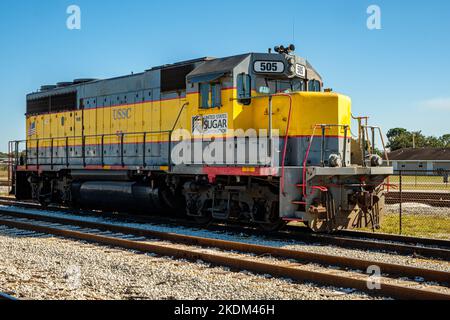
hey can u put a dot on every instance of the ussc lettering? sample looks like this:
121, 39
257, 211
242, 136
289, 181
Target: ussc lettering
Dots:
122, 114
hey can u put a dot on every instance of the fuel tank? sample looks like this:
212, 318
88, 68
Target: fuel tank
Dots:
117, 195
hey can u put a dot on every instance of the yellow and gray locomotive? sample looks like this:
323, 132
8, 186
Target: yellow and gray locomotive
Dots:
252, 137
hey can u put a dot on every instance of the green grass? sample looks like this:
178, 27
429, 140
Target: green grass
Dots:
419, 183
3, 173
428, 226
3, 177
425, 226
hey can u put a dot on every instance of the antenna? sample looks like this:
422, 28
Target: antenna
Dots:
293, 29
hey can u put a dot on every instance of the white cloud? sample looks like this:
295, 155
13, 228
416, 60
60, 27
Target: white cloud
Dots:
436, 104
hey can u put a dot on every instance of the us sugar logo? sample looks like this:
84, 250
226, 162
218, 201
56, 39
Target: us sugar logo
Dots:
210, 124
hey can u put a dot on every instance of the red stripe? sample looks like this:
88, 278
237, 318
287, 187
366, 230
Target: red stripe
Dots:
239, 171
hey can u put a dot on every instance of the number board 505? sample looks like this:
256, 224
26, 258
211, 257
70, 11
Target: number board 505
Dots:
300, 70
268, 66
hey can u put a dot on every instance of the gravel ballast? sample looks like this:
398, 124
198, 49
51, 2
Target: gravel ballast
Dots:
44, 267
418, 209
293, 244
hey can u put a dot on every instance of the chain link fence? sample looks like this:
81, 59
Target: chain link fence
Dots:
4, 181
418, 204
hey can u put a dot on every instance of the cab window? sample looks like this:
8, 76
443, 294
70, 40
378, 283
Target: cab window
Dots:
314, 86
298, 85
216, 95
244, 83
210, 95
277, 86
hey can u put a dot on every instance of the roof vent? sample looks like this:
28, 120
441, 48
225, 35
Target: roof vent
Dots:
64, 84
79, 81
48, 87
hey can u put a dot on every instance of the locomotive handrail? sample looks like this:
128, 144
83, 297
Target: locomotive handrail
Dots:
170, 136
52, 140
93, 136
67, 153
270, 96
373, 128
305, 160
179, 116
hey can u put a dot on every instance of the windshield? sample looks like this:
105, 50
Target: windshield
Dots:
293, 85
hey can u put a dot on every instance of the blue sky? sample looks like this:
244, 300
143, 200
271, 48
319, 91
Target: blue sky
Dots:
400, 75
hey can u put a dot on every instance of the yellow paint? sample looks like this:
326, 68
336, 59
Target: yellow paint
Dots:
308, 109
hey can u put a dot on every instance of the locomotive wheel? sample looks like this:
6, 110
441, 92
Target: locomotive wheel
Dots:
274, 223
319, 226
204, 216
173, 204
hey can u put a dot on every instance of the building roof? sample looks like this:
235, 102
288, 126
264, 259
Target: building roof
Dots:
422, 154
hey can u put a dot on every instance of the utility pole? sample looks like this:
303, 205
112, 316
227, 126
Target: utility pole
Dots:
414, 140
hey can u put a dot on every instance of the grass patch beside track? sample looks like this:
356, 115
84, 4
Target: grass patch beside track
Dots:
3, 172
3, 178
427, 226
411, 183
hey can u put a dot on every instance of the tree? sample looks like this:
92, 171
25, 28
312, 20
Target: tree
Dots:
445, 140
400, 138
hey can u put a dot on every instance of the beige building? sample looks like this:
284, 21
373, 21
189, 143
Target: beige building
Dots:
425, 159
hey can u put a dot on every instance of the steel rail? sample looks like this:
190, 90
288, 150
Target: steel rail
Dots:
357, 243
346, 239
395, 238
359, 283
304, 256
423, 197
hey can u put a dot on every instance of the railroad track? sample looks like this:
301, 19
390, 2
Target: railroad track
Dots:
401, 245
297, 265
424, 247
438, 199
396, 238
